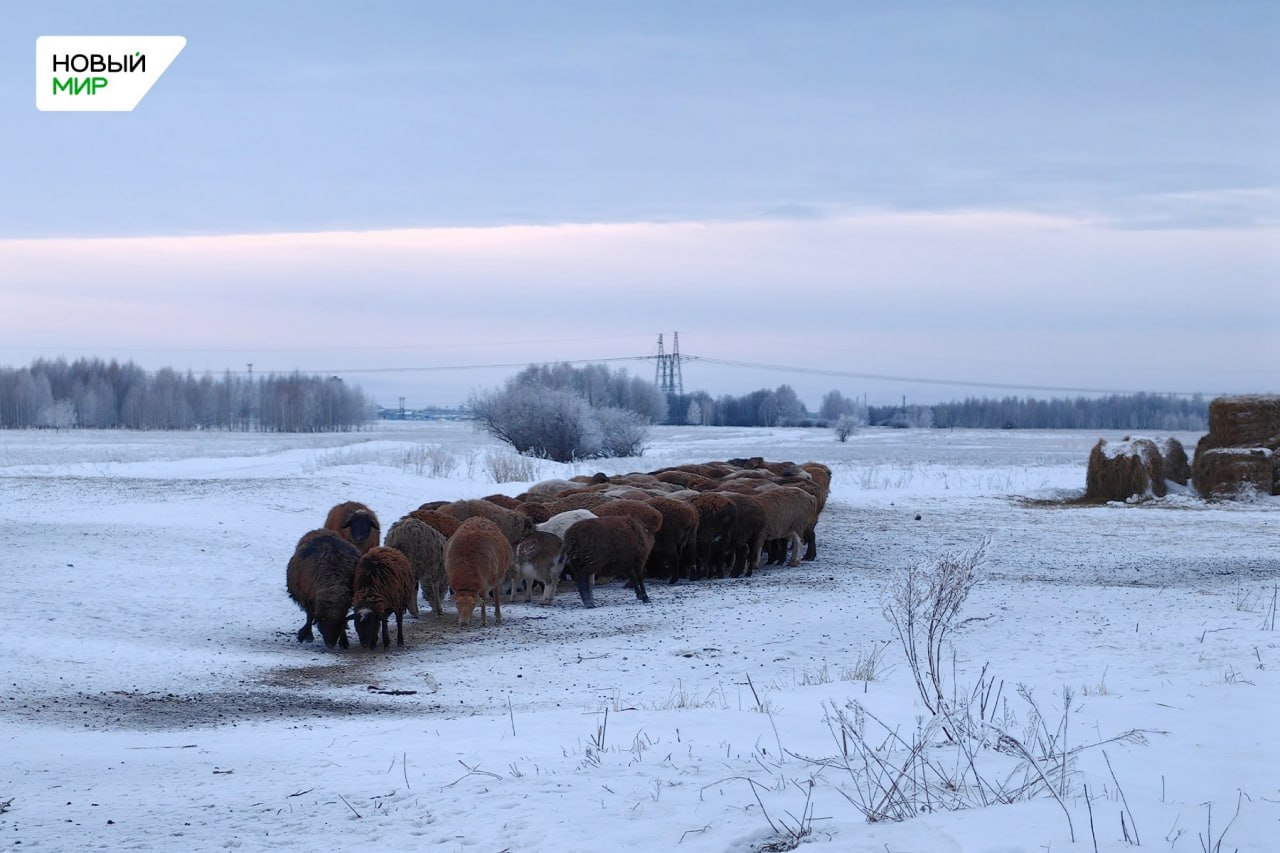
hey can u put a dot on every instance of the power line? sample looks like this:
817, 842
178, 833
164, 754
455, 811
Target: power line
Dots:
784, 368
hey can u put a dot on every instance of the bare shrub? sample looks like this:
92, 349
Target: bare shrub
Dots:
622, 433
921, 603
431, 460
964, 754
868, 667
509, 467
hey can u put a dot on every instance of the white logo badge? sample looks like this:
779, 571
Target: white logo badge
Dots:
100, 73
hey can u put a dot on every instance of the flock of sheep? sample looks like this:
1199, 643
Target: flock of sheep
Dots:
689, 521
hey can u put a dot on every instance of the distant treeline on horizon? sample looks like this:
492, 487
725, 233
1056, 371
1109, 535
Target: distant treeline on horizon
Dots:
94, 394
781, 407
97, 394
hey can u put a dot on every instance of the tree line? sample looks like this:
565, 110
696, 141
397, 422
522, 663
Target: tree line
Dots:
782, 407
94, 394
1116, 411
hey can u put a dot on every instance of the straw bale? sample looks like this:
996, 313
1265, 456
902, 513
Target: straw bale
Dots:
1251, 420
1121, 470
1177, 467
1235, 472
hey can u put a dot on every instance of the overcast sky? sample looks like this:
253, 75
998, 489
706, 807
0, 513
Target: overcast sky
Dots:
1032, 196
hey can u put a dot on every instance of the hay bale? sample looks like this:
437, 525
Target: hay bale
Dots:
1121, 470
1236, 472
1177, 467
1251, 420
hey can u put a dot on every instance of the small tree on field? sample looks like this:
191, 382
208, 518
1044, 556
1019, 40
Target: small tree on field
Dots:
845, 427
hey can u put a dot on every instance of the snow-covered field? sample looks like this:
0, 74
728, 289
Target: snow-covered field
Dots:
155, 698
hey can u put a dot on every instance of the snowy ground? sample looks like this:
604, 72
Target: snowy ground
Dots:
154, 696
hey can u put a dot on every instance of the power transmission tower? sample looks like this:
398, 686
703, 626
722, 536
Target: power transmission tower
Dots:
666, 372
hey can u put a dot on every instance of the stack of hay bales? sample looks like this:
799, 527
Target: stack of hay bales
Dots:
1238, 458
1134, 467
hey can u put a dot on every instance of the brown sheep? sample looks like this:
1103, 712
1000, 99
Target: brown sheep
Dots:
821, 476
319, 579
514, 525
476, 559
716, 518
383, 586
446, 524
687, 479
504, 501
675, 544
642, 512
577, 500
537, 512
789, 512
356, 523
617, 545
423, 545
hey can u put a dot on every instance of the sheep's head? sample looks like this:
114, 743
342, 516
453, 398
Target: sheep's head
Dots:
367, 623
363, 528
466, 602
333, 631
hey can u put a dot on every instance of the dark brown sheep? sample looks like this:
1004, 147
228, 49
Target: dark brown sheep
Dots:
383, 586
476, 559
319, 578
675, 544
746, 534
423, 545
617, 545
514, 525
356, 523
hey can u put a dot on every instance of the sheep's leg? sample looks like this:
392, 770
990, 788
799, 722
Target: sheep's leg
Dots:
386, 635
583, 582
497, 604
413, 602
304, 633
641, 592
796, 544
342, 639
399, 631
810, 543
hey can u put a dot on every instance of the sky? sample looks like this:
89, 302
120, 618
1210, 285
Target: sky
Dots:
926, 200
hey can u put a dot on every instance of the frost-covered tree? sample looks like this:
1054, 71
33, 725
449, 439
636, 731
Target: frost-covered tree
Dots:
844, 427
564, 413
